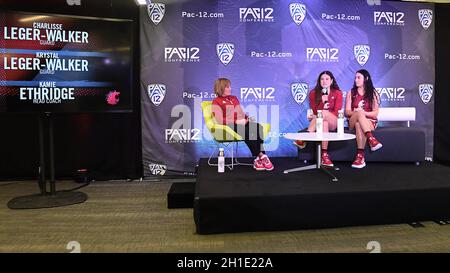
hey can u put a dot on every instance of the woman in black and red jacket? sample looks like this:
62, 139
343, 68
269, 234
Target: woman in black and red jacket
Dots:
227, 110
327, 97
361, 108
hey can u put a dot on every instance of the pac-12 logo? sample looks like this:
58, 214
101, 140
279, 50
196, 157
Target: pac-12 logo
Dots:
181, 54
299, 92
156, 93
182, 135
426, 92
425, 17
298, 12
362, 53
157, 169
73, 2
388, 18
225, 52
321, 54
391, 93
156, 12
256, 14
257, 93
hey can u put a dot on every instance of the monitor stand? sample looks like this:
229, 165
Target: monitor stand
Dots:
53, 198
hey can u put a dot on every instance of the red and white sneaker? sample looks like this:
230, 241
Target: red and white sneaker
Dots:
258, 164
359, 162
300, 144
326, 160
374, 144
266, 162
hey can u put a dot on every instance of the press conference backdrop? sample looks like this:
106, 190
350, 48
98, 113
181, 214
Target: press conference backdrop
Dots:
273, 52
56, 63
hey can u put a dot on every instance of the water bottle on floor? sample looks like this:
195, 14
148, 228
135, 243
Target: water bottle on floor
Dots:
221, 161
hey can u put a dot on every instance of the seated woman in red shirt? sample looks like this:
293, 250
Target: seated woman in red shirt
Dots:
228, 111
361, 109
327, 97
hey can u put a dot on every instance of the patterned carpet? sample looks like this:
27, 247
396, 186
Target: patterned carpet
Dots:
124, 216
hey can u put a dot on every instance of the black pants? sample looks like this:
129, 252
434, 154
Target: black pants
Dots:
252, 133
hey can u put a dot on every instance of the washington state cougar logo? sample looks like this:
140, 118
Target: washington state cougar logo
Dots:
425, 17
362, 53
112, 98
156, 93
156, 12
426, 92
299, 92
225, 52
298, 12
361, 104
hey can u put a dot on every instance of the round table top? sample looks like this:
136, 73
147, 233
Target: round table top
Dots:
319, 137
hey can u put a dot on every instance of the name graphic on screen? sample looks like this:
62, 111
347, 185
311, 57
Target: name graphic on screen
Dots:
45, 33
62, 63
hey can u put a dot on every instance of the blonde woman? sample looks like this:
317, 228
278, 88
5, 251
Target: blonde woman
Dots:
228, 111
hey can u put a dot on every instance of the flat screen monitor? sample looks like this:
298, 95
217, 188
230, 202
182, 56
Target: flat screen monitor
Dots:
59, 63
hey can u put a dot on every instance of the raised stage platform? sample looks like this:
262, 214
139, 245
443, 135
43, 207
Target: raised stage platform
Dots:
382, 193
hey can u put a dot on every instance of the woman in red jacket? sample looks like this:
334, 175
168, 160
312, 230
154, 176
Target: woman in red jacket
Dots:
327, 97
361, 109
228, 111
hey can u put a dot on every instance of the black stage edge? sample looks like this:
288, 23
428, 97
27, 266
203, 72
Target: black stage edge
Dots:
181, 195
245, 200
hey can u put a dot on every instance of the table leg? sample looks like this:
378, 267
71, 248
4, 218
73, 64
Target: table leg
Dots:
319, 155
333, 177
309, 167
318, 165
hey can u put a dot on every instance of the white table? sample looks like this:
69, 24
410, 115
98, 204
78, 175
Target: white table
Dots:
317, 138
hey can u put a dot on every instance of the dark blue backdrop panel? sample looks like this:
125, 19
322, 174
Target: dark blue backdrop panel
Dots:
273, 52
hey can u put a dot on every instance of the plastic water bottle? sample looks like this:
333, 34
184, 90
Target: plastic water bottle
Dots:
340, 123
309, 113
221, 161
319, 122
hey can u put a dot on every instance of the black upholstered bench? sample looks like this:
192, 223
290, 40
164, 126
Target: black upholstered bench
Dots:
400, 144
